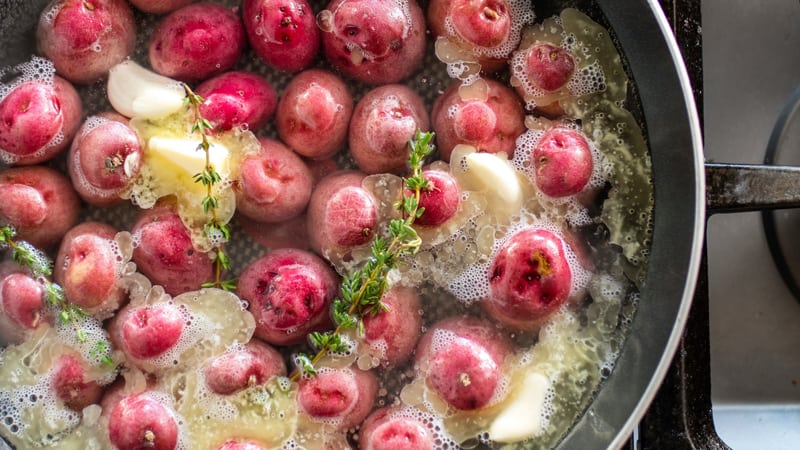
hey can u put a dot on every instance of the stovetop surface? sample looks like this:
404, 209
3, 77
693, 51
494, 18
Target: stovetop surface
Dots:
751, 66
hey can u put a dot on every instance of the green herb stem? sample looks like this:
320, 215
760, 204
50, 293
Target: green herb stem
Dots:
209, 178
363, 289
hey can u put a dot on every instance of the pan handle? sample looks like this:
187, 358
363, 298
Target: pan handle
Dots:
751, 187
741, 187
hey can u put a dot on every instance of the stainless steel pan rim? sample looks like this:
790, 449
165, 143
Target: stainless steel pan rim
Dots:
675, 139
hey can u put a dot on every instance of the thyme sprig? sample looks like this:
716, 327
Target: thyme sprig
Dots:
214, 229
363, 289
41, 269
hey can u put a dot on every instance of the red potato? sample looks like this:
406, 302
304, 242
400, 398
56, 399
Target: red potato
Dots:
395, 331
87, 268
289, 292
383, 122
541, 73
142, 421
547, 67
39, 203
159, 6
196, 42
485, 26
491, 125
283, 33
313, 114
244, 366
440, 200
237, 99
145, 332
373, 41
340, 397
390, 429
530, 278
462, 359
104, 159
562, 162
86, 38
274, 184
341, 214
22, 306
165, 253
72, 384
38, 119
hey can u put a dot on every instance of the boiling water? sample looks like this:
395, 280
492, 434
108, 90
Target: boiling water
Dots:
575, 350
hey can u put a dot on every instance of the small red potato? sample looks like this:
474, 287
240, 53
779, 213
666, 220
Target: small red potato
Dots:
71, 383
145, 332
38, 120
196, 42
283, 33
440, 200
491, 125
141, 421
87, 268
562, 162
237, 99
313, 114
530, 278
289, 292
342, 398
241, 367
462, 360
341, 214
383, 122
373, 41
104, 159
86, 38
165, 253
390, 429
39, 203
396, 330
274, 184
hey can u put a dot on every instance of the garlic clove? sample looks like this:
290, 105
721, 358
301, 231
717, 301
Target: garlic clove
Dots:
137, 92
522, 417
491, 174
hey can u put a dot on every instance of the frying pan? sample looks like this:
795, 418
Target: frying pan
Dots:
669, 116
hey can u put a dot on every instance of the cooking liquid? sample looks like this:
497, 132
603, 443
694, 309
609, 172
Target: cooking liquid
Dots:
575, 350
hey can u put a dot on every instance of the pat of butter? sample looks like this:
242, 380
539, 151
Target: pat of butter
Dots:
522, 418
175, 161
489, 172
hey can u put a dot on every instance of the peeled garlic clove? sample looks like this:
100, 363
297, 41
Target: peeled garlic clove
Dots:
522, 418
137, 92
494, 175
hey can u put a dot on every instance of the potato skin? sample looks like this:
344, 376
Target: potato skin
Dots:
274, 185
39, 203
86, 38
33, 116
197, 42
